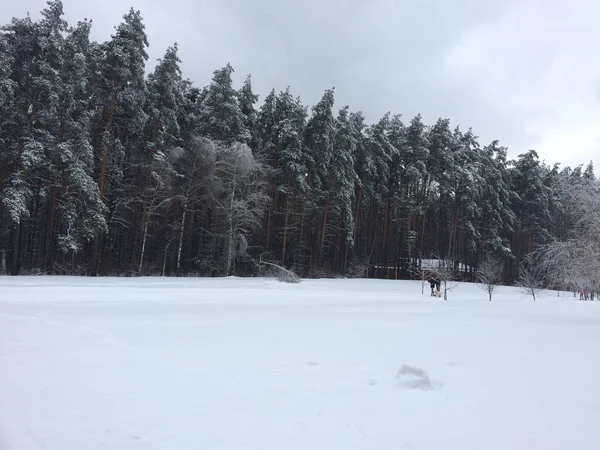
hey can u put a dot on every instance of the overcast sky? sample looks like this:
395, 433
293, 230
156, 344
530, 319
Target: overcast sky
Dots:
525, 72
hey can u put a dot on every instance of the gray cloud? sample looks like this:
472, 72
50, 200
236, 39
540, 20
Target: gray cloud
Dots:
523, 72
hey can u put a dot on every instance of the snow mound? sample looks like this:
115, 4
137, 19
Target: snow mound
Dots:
415, 378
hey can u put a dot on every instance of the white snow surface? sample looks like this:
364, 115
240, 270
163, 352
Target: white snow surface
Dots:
232, 363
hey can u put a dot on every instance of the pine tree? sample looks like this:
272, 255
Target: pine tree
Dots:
280, 125
497, 216
221, 117
119, 121
19, 48
441, 167
343, 180
319, 135
292, 162
163, 103
416, 189
80, 207
247, 100
530, 204
37, 60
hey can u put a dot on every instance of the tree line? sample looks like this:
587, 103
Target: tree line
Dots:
105, 170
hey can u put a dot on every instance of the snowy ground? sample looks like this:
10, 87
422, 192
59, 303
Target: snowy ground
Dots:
327, 364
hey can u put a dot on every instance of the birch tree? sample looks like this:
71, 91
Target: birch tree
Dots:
574, 262
239, 197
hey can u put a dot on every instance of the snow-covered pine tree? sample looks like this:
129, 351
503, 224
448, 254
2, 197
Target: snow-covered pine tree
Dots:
220, 115
80, 207
37, 60
442, 170
319, 136
281, 122
530, 204
291, 172
497, 216
265, 127
381, 151
343, 182
468, 191
119, 96
366, 172
18, 48
247, 99
415, 193
396, 143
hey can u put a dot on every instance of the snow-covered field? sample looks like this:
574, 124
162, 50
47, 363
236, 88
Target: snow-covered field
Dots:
153, 363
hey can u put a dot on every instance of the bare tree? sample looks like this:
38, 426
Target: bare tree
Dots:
574, 263
447, 274
489, 274
155, 196
194, 169
239, 196
530, 280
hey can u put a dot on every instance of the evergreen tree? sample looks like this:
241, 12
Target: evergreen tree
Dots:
280, 125
530, 204
416, 189
497, 217
120, 118
344, 178
80, 206
221, 117
319, 135
247, 100
163, 103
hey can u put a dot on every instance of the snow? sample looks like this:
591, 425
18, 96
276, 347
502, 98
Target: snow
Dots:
248, 364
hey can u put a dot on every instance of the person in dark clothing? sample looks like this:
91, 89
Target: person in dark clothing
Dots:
432, 285
438, 284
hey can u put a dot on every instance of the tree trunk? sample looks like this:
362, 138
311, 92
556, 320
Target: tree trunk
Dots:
16, 262
144, 235
386, 226
181, 235
230, 244
106, 148
357, 210
323, 233
50, 231
102, 181
230, 248
285, 229
269, 223
164, 266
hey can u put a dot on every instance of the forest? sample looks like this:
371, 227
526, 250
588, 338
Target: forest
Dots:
109, 169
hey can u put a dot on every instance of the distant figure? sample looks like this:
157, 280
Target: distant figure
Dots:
432, 285
581, 294
438, 285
